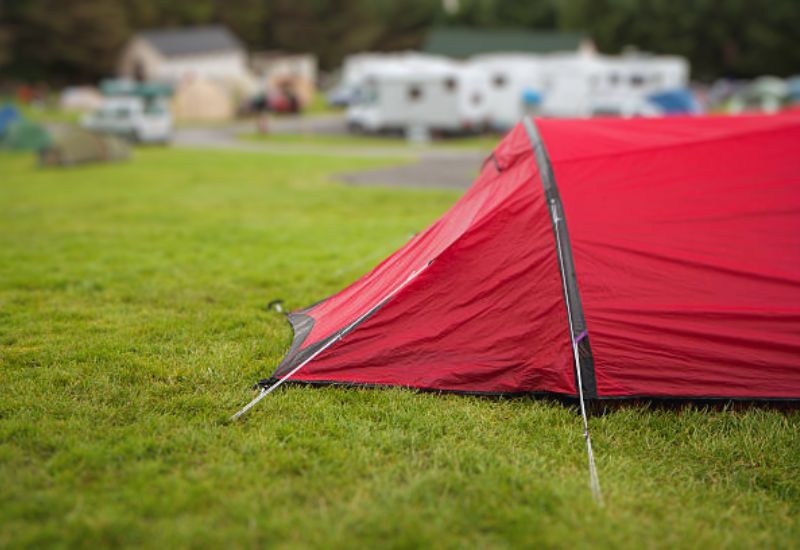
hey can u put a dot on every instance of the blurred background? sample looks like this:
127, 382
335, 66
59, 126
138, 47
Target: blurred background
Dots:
422, 69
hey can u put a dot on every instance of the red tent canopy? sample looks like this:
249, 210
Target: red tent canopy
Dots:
666, 251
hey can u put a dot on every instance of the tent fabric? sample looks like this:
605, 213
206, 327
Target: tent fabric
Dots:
685, 237
686, 240
9, 114
73, 145
202, 99
675, 102
24, 135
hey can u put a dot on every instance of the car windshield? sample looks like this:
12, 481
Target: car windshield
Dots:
155, 109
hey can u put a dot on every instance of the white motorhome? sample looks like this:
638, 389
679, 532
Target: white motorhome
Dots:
587, 85
577, 84
515, 84
357, 66
407, 93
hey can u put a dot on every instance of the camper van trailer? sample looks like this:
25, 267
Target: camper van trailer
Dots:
577, 84
437, 96
515, 84
589, 85
626, 82
357, 66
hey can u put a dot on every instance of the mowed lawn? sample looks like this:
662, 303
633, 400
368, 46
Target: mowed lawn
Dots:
133, 322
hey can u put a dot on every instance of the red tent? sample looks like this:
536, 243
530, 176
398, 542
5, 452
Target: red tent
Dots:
661, 256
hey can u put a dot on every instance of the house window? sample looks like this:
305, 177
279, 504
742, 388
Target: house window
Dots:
450, 84
499, 80
414, 93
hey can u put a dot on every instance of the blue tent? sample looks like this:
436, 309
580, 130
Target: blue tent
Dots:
675, 102
8, 115
531, 97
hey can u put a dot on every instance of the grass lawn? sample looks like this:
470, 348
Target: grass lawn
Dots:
47, 113
133, 321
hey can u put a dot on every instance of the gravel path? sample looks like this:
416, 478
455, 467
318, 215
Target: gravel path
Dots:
424, 166
436, 171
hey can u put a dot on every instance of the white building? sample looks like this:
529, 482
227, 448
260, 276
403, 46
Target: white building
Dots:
173, 55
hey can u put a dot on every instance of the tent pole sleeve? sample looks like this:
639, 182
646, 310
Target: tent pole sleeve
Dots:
336, 337
567, 270
578, 331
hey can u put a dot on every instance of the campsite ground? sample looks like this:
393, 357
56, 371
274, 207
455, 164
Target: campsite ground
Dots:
133, 321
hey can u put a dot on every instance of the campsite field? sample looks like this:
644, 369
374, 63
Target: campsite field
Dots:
133, 321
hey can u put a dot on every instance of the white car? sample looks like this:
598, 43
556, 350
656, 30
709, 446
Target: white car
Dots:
132, 117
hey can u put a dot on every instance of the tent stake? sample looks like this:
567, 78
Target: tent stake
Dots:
342, 333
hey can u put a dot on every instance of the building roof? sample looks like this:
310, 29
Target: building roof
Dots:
466, 42
192, 40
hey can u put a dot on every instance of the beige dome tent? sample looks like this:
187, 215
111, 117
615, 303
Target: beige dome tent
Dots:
202, 100
80, 98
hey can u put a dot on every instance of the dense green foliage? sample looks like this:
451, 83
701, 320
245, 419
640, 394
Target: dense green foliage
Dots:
80, 39
133, 321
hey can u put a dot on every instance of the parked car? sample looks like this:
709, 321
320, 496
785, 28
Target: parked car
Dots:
146, 120
341, 96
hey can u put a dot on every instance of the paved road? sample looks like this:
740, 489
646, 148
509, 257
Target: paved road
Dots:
436, 171
422, 166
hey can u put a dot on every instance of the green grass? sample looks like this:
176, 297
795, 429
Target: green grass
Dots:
133, 321
47, 113
319, 105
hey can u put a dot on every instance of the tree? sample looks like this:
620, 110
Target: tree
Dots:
78, 39
730, 37
532, 14
330, 28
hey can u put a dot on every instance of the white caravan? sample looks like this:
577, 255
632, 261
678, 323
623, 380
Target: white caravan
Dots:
576, 84
515, 86
589, 85
420, 93
357, 66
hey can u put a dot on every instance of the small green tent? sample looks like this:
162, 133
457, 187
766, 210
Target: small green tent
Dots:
73, 145
24, 135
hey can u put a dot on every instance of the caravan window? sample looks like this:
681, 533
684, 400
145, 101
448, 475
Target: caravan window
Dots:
499, 80
450, 84
637, 80
614, 79
414, 93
